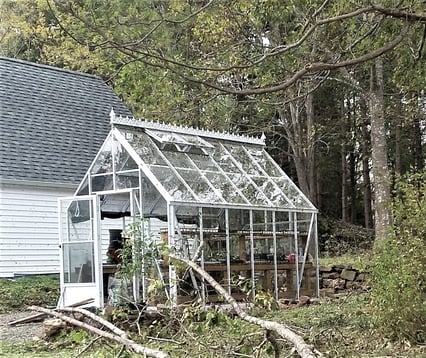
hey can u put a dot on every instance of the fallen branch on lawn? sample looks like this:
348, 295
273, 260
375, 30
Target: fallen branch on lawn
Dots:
118, 335
40, 316
304, 350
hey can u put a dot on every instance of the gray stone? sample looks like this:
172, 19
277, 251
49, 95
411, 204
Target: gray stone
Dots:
330, 275
337, 283
348, 275
361, 276
326, 292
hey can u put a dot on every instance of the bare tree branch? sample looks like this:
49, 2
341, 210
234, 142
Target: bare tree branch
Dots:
121, 339
304, 350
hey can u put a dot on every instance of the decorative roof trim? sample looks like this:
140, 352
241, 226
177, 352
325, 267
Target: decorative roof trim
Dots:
184, 130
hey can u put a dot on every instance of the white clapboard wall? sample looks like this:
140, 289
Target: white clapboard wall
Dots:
29, 242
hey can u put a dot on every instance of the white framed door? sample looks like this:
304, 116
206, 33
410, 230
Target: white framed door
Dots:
80, 251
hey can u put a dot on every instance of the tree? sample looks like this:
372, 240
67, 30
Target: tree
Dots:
256, 65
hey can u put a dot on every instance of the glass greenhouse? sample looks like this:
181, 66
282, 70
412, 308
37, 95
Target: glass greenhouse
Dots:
216, 198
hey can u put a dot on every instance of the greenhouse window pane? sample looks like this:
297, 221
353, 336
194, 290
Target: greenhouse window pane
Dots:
200, 186
102, 182
203, 162
272, 192
253, 195
265, 162
178, 160
225, 187
241, 157
126, 180
103, 163
153, 202
78, 262
172, 183
292, 192
144, 146
223, 158
122, 159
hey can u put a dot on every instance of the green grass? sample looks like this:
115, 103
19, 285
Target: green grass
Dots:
338, 328
16, 294
360, 261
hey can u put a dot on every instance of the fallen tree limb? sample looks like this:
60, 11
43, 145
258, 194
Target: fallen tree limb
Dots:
104, 322
304, 350
39, 316
132, 345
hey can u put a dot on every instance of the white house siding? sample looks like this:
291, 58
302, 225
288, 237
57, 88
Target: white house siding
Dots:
29, 228
29, 242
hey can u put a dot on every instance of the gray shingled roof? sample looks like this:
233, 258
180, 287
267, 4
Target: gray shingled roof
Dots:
52, 121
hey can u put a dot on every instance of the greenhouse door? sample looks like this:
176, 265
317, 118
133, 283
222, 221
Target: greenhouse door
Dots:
80, 257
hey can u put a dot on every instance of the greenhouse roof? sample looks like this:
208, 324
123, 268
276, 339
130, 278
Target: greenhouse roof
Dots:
195, 167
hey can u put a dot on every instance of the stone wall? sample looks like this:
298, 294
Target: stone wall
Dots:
340, 278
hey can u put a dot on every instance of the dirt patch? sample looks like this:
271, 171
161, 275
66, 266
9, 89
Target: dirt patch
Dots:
19, 332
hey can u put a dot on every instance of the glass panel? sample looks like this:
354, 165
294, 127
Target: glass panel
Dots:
223, 158
102, 183
213, 219
199, 185
123, 160
203, 162
78, 217
196, 141
103, 163
172, 184
282, 221
254, 196
265, 162
272, 192
290, 189
153, 204
127, 180
225, 187
239, 219
241, 156
84, 187
144, 146
178, 160
78, 262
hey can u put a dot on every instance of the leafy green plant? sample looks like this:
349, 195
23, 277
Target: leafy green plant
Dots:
399, 266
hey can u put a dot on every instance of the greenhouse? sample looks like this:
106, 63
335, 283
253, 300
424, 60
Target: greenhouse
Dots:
218, 199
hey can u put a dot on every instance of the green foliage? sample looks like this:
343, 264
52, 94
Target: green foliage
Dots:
19, 293
399, 266
337, 238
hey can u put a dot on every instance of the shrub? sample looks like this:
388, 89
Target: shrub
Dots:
399, 266
337, 238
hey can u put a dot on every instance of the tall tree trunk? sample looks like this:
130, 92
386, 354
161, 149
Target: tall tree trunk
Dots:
344, 198
367, 197
398, 163
417, 145
310, 142
381, 177
345, 114
352, 185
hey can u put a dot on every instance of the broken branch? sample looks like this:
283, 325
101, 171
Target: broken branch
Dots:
304, 350
132, 345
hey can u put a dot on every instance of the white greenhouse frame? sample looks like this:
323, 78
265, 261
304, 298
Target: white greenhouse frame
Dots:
220, 199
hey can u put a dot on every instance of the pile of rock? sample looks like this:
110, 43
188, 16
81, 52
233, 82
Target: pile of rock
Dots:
339, 278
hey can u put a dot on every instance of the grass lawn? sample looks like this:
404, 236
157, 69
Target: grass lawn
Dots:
337, 328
